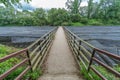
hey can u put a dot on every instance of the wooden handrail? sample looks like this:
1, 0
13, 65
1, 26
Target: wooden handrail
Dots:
107, 53
23, 73
40, 42
13, 55
12, 69
79, 50
107, 67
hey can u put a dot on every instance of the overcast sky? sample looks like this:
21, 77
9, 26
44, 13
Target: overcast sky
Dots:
47, 4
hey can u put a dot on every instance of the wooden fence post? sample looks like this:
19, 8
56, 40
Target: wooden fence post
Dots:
29, 61
91, 60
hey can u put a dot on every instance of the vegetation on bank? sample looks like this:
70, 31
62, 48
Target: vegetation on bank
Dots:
101, 12
4, 66
102, 70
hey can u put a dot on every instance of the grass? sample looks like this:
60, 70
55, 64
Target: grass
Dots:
102, 70
77, 24
94, 22
6, 65
7, 50
33, 75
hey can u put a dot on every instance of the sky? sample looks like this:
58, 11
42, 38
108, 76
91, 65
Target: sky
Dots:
47, 4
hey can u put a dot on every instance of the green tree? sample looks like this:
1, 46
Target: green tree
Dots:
58, 17
39, 17
73, 6
90, 8
7, 15
10, 2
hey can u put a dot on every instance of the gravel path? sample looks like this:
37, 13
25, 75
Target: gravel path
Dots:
60, 64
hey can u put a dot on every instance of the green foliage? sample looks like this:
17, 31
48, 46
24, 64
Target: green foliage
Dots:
113, 21
104, 12
77, 24
95, 22
4, 66
102, 70
84, 20
90, 8
25, 21
39, 17
75, 17
33, 75
66, 24
117, 68
4, 50
10, 2
87, 76
58, 16
106, 73
15, 73
73, 6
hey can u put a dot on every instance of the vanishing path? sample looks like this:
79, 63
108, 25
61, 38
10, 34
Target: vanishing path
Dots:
60, 64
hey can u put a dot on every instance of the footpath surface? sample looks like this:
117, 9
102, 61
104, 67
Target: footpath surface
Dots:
60, 64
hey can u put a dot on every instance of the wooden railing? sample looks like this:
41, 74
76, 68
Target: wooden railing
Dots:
35, 55
85, 53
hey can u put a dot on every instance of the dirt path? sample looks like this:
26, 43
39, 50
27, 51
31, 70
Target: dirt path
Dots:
60, 64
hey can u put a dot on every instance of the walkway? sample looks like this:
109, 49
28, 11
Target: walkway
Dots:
60, 64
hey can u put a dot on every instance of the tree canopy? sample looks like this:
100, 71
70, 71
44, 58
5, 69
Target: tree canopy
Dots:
9, 2
100, 12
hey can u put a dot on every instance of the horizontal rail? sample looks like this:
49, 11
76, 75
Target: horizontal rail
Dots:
108, 53
23, 73
12, 69
13, 55
98, 73
41, 38
85, 52
107, 67
72, 34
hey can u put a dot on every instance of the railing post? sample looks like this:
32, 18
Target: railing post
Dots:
74, 38
79, 48
91, 60
79, 44
40, 43
70, 39
29, 60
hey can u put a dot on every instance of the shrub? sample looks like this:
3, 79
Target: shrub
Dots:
33, 75
84, 20
6, 50
75, 17
3, 50
115, 22
95, 22
102, 70
66, 24
77, 24
14, 74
